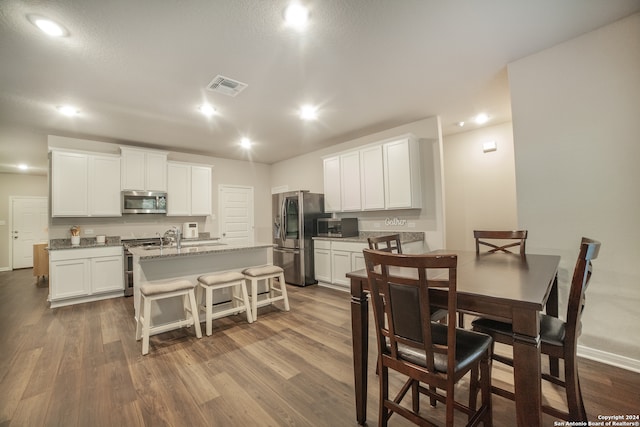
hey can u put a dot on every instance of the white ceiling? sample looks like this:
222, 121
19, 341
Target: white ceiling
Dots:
138, 70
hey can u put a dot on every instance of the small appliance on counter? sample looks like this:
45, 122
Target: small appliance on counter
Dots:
190, 230
337, 227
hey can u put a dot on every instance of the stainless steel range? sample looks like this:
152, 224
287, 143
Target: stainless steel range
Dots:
128, 260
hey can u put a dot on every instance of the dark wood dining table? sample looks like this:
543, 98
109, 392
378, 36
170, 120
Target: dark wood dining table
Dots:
505, 287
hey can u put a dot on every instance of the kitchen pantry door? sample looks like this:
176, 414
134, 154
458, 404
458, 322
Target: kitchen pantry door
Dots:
29, 225
235, 204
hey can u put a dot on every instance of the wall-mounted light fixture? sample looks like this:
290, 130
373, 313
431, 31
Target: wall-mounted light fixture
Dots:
489, 146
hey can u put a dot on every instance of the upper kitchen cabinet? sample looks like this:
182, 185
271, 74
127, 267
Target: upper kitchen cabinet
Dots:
372, 178
349, 179
189, 189
143, 170
384, 175
402, 189
332, 192
84, 184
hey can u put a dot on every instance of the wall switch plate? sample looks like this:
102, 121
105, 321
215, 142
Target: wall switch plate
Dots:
411, 225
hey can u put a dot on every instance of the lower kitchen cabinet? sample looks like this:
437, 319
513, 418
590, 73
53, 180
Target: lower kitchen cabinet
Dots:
85, 274
333, 259
322, 260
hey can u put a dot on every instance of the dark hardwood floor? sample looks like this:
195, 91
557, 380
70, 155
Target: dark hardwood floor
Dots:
81, 366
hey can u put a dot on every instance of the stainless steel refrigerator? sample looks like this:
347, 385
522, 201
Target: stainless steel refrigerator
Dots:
294, 224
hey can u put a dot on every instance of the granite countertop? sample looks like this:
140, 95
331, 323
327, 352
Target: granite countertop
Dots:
85, 242
150, 253
405, 237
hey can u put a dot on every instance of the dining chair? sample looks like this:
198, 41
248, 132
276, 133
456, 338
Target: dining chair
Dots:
494, 239
559, 339
433, 356
391, 243
387, 243
497, 241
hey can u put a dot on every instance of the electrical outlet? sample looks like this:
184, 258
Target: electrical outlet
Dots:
376, 225
88, 231
411, 225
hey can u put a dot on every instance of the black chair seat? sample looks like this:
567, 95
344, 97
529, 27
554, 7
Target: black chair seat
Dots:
469, 347
552, 329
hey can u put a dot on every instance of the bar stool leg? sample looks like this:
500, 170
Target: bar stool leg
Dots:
194, 313
245, 301
283, 291
209, 310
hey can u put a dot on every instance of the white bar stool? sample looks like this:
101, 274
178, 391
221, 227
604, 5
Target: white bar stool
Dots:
276, 293
230, 279
155, 292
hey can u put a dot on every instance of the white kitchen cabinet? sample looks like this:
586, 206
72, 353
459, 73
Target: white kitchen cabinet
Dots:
402, 174
143, 170
85, 274
357, 261
85, 184
350, 182
189, 189
332, 184
340, 266
322, 260
384, 175
372, 178
104, 186
69, 184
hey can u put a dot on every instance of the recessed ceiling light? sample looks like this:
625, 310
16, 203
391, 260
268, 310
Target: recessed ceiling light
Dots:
47, 26
296, 15
245, 143
308, 112
460, 124
482, 118
23, 167
207, 110
68, 110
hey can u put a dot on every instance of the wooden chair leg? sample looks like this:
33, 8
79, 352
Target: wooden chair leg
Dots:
574, 396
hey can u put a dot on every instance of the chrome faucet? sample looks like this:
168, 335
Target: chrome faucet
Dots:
161, 240
178, 234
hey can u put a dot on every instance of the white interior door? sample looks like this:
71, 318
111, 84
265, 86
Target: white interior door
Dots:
235, 207
29, 225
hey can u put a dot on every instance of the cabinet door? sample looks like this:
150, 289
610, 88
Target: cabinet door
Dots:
107, 274
372, 178
133, 169
401, 174
200, 190
69, 184
332, 184
69, 278
104, 186
357, 261
322, 264
155, 172
178, 189
350, 182
340, 266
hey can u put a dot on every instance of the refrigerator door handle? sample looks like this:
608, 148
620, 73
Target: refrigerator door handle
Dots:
283, 221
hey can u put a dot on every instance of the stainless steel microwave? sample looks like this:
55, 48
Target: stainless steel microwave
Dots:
144, 202
337, 227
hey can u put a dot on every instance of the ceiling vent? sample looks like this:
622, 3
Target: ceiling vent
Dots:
226, 86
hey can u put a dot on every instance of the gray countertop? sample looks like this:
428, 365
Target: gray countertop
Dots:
149, 253
405, 237
85, 242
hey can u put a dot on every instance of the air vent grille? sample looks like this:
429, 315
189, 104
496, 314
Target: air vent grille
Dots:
226, 86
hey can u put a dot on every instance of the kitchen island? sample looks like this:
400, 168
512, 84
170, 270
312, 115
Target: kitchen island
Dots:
153, 265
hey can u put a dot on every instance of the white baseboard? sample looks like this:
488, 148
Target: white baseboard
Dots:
332, 286
609, 358
5, 268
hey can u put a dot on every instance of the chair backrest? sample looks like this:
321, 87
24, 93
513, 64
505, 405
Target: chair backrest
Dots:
401, 303
388, 243
498, 238
589, 249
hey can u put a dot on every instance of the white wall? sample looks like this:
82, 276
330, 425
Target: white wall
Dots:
480, 188
306, 173
576, 124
